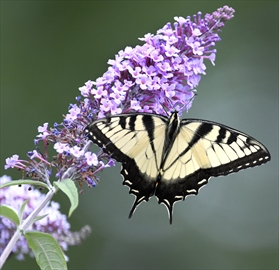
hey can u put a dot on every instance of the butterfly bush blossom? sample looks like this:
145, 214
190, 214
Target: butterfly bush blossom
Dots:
162, 74
55, 222
157, 77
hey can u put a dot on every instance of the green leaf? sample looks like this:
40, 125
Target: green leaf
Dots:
24, 182
69, 188
10, 213
48, 253
21, 210
39, 218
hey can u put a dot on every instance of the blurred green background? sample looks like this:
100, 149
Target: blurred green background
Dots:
50, 48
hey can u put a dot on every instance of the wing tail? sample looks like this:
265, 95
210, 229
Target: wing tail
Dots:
169, 192
169, 206
140, 186
137, 202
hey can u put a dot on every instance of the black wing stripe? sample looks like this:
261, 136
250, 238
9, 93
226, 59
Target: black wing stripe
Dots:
132, 121
202, 131
221, 136
149, 126
122, 122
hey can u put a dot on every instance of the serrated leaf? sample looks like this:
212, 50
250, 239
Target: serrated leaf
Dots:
48, 253
24, 182
10, 213
69, 188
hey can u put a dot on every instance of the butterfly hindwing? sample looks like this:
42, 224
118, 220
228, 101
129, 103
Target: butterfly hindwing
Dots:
172, 158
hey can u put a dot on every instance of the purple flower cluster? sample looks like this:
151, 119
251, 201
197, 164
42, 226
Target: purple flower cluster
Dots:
159, 76
55, 223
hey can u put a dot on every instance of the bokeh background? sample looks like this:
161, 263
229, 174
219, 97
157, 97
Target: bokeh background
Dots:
50, 48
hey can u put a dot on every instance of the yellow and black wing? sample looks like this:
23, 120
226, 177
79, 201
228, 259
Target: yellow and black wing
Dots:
170, 158
137, 141
202, 149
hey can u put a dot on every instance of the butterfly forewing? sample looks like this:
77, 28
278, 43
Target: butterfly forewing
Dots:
177, 167
228, 150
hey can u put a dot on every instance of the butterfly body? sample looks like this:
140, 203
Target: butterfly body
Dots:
172, 158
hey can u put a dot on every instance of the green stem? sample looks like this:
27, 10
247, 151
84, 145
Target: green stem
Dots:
24, 226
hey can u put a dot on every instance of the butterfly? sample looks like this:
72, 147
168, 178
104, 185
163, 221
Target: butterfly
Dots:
173, 158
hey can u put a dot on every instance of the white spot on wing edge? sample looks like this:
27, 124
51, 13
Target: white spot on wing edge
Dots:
127, 182
202, 181
166, 202
192, 191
